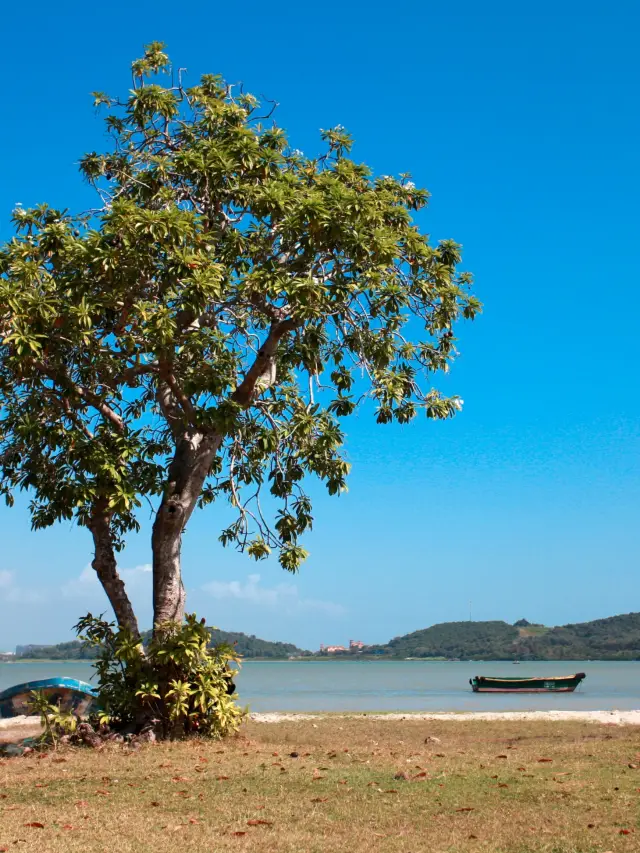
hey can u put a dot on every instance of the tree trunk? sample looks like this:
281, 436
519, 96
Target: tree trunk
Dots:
104, 563
188, 470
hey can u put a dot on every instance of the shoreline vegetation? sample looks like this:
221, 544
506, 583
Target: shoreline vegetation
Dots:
332, 783
610, 639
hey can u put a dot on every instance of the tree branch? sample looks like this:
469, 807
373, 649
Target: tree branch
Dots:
262, 373
92, 399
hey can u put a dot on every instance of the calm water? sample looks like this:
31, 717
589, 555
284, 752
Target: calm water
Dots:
395, 685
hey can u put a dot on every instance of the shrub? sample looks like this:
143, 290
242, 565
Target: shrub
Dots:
176, 683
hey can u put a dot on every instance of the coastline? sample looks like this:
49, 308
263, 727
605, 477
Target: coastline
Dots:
612, 718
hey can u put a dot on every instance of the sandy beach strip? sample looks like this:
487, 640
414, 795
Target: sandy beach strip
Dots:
619, 718
13, 725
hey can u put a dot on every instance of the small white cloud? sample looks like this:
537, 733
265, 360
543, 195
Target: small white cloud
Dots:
284, 597
6, 579
87, 583
15, 594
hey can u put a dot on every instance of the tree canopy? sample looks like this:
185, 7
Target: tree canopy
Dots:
203, 331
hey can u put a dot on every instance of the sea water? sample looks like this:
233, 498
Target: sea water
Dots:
363, 685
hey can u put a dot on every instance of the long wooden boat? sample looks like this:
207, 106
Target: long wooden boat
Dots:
69, 694
552, 684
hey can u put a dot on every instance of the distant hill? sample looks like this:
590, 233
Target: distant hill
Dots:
615, 638
455, 640
246, 645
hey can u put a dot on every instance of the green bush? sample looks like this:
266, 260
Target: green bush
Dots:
175, 683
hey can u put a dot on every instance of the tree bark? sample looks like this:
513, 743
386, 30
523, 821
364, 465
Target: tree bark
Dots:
194, 453
105, 565
188, 470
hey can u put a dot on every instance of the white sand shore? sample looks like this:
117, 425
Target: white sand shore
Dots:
619, 718
18, 722
616, 718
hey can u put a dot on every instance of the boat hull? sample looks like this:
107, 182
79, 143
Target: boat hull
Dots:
69, 694
556, 684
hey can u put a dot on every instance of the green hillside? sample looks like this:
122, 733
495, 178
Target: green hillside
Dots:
246, 645
615, 638
455, 640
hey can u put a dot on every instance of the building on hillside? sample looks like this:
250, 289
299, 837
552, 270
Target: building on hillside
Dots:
331, 650
355, 645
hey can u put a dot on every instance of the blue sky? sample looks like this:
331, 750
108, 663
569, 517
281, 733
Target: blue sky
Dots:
522, 121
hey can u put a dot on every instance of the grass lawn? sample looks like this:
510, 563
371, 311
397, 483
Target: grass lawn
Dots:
352, 785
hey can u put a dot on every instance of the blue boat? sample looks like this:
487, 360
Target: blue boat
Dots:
69, 694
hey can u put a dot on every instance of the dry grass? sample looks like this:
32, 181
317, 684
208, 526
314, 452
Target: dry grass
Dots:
340, 784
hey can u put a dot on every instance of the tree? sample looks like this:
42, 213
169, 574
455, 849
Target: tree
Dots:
202, 333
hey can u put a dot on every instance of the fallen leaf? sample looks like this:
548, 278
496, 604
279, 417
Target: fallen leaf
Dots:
68, 826
522, 769
222, 778
545, 760
625, 831
591, 826
632, 766
42, 785
439, 754
420, 775
180, 779
239, 832
59, 760
501, 756
104, 793
259, 822
402, 775
502, 785
466, 809
494, 777
193, 820
319, 799
81, 803
155, 803
275, 754
390, 791
473, 837
35, 825
293, 755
